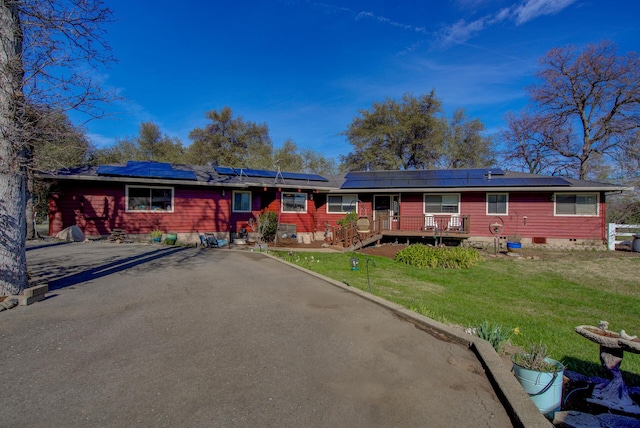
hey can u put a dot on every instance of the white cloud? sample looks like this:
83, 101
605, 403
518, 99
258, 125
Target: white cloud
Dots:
532, 9
460, 32
526, 11
384, 20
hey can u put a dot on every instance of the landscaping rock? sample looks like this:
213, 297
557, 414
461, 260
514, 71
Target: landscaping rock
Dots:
71, 234
8, 304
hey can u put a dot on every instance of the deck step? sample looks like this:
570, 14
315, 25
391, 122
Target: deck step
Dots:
364, 242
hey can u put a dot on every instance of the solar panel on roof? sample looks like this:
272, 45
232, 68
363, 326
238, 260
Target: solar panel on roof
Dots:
261, 173
444, 178
224, 170
301, 176
142, 169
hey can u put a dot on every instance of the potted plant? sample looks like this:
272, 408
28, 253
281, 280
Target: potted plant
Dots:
156, 235
541, 377
514, 243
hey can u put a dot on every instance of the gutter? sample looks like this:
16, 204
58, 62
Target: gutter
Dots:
153, 181
483, 189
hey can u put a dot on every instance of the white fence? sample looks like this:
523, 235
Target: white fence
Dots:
624, 231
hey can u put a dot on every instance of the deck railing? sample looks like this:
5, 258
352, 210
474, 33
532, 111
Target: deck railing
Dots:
424, 225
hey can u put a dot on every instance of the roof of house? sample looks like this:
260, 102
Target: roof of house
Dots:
194, 175
449, 180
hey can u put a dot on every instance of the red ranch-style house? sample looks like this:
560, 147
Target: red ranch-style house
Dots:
469, 205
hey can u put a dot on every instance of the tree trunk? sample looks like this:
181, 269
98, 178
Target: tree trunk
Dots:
13, 261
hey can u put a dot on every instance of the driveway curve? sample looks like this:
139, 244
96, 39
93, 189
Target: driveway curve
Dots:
141, 335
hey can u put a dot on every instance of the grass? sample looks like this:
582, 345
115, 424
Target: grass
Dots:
545, 297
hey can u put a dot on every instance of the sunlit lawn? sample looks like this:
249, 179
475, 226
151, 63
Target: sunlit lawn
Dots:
544, 297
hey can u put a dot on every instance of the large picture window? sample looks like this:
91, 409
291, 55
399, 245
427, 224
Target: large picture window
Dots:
442, 204
576, 204
341, 204
294, 202
241, 201
497, 203
155, 199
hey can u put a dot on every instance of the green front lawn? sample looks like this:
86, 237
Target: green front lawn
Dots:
545, 297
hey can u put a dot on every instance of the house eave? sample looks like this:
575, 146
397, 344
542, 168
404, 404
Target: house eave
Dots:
155, 181
484, 189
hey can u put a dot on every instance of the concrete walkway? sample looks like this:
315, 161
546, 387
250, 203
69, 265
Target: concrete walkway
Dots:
159, 336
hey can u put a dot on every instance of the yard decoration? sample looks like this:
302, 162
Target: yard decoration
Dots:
171, 238
613, 394
514, 243
156, 235
541, 378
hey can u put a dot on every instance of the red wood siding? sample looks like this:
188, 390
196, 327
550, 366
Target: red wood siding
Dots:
98, 208
195, 209
537, 207
323, 217
305, 222
541, 221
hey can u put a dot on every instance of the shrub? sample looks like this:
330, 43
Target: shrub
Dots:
495, 334
422, 256
267, 225
536, 359
348, 219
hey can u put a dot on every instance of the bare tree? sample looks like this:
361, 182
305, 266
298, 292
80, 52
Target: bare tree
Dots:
49, 52
589, 100
526, 141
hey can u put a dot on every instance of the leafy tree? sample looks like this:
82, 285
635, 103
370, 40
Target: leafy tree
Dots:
230, 142
122, 151
397, 135
150, 144
47, 51
288, 158
315, 163
158, 147
56, 143
464, 145
587, 104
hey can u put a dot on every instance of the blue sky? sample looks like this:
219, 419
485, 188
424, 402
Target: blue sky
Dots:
305, 68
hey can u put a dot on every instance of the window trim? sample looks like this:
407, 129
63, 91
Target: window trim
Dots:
233, 201
555, 204
138, 186
424, 203
355, 198
506, 203
306, 202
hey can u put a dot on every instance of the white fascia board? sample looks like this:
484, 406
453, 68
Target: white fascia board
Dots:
567, 189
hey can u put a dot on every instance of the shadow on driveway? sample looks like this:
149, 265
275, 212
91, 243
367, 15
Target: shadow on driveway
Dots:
58, 277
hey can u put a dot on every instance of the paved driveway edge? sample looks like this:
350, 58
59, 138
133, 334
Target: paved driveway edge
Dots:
521, 409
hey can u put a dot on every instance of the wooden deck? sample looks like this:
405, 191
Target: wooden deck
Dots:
436, 227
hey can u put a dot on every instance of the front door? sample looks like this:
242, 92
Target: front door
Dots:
386, 210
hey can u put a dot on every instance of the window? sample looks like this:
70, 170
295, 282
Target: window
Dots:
576, 204
294, 202
497, 203
156, 199
241, 201
341, 203
442, 204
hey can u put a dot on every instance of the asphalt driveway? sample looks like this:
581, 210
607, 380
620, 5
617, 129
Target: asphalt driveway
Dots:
140, 335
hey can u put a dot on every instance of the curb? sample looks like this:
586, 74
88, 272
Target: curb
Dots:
522, 411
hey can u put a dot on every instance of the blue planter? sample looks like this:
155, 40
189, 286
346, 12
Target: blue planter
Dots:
514, 246
545, 389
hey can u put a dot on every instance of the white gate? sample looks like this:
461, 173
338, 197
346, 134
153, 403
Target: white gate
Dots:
624, 231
